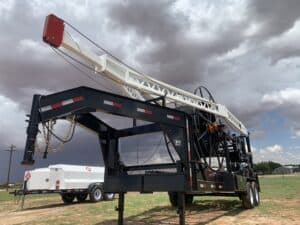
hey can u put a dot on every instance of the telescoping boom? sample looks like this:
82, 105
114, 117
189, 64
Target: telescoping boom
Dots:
136, 85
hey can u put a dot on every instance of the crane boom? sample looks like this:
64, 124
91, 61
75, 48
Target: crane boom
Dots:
135, 84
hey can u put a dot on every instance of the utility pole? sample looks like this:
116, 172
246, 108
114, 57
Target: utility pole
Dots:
11, 149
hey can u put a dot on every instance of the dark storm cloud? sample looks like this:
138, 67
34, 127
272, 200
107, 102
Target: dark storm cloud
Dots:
84, 149
180, 59
27, 65
274, 16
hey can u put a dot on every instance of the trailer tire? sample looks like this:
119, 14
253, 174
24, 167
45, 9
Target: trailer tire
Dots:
189, 199
109, 196
96, 194
67, 198
173, 197
81, 197
255, 193
248, 197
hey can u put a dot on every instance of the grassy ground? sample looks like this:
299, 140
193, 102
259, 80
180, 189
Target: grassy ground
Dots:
280, 205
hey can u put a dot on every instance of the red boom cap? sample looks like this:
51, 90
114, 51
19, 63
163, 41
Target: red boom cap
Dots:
53, 30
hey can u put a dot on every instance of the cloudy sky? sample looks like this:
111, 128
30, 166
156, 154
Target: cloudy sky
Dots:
245, 52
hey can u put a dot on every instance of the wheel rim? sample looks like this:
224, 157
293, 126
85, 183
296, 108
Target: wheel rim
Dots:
97, 194
256, 195
251, 197
110, 195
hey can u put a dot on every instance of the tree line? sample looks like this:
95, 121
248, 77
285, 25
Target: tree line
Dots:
266, 167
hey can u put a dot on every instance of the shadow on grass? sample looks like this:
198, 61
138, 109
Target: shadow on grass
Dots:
55, 205
200, 213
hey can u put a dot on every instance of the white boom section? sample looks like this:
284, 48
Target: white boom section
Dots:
135, 83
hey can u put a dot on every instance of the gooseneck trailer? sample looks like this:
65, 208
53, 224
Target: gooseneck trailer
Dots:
208, 147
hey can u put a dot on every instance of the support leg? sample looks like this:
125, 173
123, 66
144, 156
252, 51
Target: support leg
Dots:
181, 208
22, 201
23, 196
121, 208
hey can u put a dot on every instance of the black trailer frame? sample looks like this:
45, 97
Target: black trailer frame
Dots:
189, 176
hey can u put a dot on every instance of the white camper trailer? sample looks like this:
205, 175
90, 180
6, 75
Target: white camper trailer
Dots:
69, 180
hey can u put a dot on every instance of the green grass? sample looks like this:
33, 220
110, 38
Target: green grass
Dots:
280, 198
280, 186
4, 196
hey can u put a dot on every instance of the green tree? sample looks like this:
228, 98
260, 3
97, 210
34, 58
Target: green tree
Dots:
266, 167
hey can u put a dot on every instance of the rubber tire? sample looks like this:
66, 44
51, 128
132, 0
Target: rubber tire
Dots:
96, 194
189, 199
173, 197
67, 198
255, 193
81, 197
109, 196
248, 197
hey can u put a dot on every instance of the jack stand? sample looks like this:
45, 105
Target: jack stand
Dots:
120, 208
181, 208
23, 201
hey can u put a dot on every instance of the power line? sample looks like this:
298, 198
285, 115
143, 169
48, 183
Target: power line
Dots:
11, 149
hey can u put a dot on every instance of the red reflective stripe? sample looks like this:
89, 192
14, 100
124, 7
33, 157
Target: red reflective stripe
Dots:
148, 112
172, 117
118, 105
77, 99
56, 105
176, 117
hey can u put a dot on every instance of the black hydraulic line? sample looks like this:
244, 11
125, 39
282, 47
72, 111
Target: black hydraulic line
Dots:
168, 149
59, 138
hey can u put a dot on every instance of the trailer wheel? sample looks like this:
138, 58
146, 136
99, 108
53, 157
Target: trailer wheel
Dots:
173, 197
67, 198
248, 197
81, 197
255, 193
109, 196
189, 199
96, 194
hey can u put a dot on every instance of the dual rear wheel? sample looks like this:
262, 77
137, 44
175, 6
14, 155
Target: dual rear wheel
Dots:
251, 198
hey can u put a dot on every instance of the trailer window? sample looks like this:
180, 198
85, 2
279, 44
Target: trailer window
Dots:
145, 149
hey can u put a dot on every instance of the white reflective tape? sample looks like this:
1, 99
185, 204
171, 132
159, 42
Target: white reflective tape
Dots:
46, 108
140, 110
170, 117
106, 102
67, 102
62, 103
